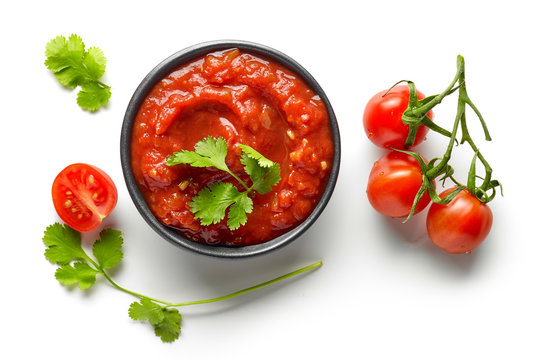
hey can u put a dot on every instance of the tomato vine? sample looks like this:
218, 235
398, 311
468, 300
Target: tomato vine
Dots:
439, 167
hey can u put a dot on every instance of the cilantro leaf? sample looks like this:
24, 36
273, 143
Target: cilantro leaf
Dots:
92, 96
271, 178
237, 214
263, 172
209, 152
62, 54
63, 244
211, 203
169, 329
263, 177
252, 153
107, 250
146, 310
95, 62
70, 77
73, 66
80, 273
166, 322
53, 49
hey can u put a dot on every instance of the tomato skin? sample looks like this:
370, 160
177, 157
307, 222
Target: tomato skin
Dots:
83, 195
460, 226
393, 184
382, 118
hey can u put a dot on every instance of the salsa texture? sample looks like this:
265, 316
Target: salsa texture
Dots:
247, 100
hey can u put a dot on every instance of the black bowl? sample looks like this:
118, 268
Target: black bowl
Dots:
161, 71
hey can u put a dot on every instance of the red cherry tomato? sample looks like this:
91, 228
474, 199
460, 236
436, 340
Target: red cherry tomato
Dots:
83, 196
460, 226
382, 118
393, 184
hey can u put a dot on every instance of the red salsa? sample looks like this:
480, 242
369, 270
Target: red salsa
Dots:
247, 100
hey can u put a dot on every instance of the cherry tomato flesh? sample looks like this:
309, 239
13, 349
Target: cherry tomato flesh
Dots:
382, 118
83, 195
393, 184
460, 226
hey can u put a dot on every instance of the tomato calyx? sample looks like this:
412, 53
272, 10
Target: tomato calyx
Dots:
428, 185
416, 113
439, 167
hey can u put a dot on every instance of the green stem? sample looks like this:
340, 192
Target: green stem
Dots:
434, 170
397, 83
460, 119
239, 180
140, 296
464, 100
109, 279
438, 98
252, 288
91, 261
102, 84
488, 170
416, 116
455, 181
234, 294
434, 127
440, 167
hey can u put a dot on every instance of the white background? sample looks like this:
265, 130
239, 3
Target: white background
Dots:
384, 292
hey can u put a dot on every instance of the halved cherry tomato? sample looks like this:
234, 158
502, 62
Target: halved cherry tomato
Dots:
382, 118
393, 184
460, 226
83, 195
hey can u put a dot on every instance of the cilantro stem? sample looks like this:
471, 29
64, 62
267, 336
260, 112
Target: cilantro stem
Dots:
140, 296
239, 180
225, 297
102, 84
91, 261
252, 288
113, 283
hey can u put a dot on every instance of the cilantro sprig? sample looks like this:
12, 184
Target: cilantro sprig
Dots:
73, 66
211, 203
76, 267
